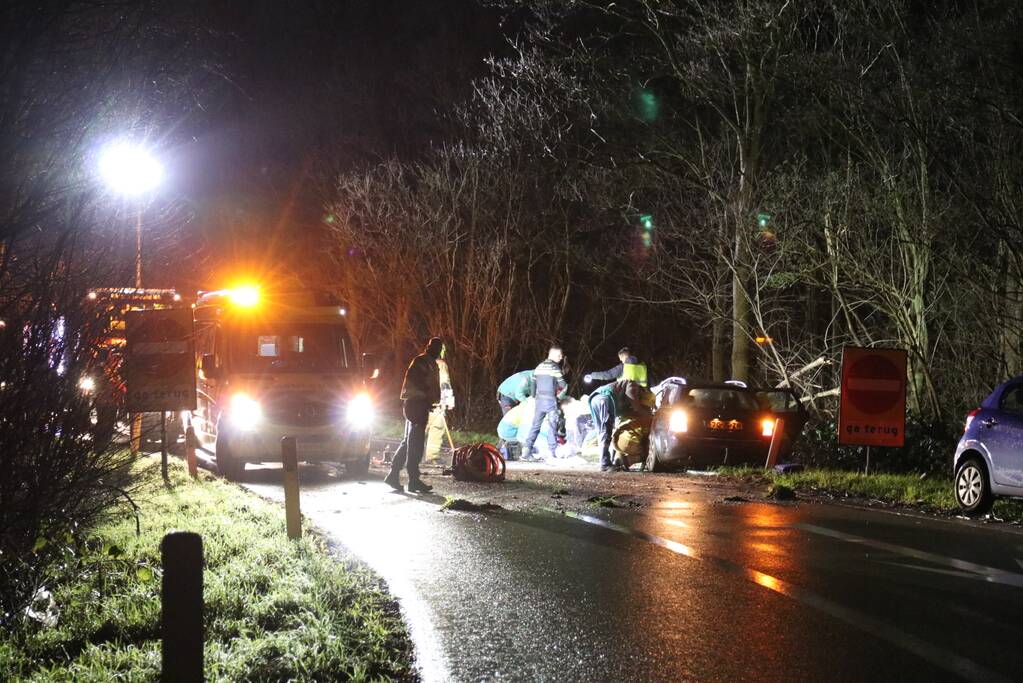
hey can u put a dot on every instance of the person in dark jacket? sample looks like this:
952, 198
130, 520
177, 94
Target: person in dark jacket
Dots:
548, 388
419, 392
629, 367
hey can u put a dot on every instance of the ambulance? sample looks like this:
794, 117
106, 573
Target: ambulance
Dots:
279, 363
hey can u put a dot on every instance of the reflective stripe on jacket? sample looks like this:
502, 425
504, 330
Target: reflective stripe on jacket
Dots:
548, 382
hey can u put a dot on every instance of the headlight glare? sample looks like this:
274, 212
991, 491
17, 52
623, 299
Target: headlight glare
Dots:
678, 422
360, 411
246, 412
87, 384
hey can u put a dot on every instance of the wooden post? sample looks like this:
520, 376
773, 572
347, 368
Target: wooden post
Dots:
163, 443
193, 465
775, 447
867, 468
182, 607
292, 511
135, 433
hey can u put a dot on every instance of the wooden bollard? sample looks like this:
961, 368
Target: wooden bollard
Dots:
182, 607
135, 433
292, 510
772, 451
193, 463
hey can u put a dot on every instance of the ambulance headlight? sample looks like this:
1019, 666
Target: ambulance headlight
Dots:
246, 413
360, 412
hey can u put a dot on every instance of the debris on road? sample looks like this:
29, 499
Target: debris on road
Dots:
781, 492
735, 499
463, 505
604, 501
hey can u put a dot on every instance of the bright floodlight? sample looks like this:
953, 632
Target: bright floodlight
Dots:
130, 169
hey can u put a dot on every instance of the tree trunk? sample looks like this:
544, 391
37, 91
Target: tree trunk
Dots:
719, 347
719, 323
1012, 318
740, 311
740, 320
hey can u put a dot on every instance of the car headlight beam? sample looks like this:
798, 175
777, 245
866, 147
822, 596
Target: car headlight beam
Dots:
245, 412
360, 411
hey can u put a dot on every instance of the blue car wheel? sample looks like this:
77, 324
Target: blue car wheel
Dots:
973, 488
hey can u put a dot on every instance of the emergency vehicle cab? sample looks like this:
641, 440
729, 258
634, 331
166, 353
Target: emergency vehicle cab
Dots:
276, 364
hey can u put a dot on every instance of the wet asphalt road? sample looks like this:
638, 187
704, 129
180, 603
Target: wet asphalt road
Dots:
688, 589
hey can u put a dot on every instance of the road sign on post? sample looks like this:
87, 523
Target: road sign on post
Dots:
872, 409
159, 360
159, 367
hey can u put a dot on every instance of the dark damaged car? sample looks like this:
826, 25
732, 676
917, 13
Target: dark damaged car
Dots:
706, 424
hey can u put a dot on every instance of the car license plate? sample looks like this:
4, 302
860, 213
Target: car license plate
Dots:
725, 426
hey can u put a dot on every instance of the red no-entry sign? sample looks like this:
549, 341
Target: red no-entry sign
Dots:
872, 411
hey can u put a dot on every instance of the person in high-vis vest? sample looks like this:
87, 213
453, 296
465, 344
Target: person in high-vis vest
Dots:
435, 427
629, 367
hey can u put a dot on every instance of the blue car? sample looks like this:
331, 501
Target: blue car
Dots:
988, 462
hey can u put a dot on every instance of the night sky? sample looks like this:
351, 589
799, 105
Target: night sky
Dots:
312, 88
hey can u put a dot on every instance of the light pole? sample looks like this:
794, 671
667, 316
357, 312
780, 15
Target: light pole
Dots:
131, 170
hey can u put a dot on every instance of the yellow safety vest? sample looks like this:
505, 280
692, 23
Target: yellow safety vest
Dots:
635, 372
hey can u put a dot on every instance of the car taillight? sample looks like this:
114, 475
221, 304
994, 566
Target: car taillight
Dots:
767, 427
678, 422
969, 417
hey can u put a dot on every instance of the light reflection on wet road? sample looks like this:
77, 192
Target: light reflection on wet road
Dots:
683, 590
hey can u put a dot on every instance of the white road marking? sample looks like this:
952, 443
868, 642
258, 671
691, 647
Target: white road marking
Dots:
990, 574
938, 656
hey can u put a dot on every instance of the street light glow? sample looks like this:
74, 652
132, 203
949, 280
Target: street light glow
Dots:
129, 169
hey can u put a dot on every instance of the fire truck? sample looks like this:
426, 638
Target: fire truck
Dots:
279, 363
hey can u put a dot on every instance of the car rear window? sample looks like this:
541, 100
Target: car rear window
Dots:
1012, 399
721, 399
779, 401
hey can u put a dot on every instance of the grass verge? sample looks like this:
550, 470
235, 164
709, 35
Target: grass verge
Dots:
274, 609
933, 494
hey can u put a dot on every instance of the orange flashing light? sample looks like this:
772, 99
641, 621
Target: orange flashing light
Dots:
764, 340
246, 296
767, 427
